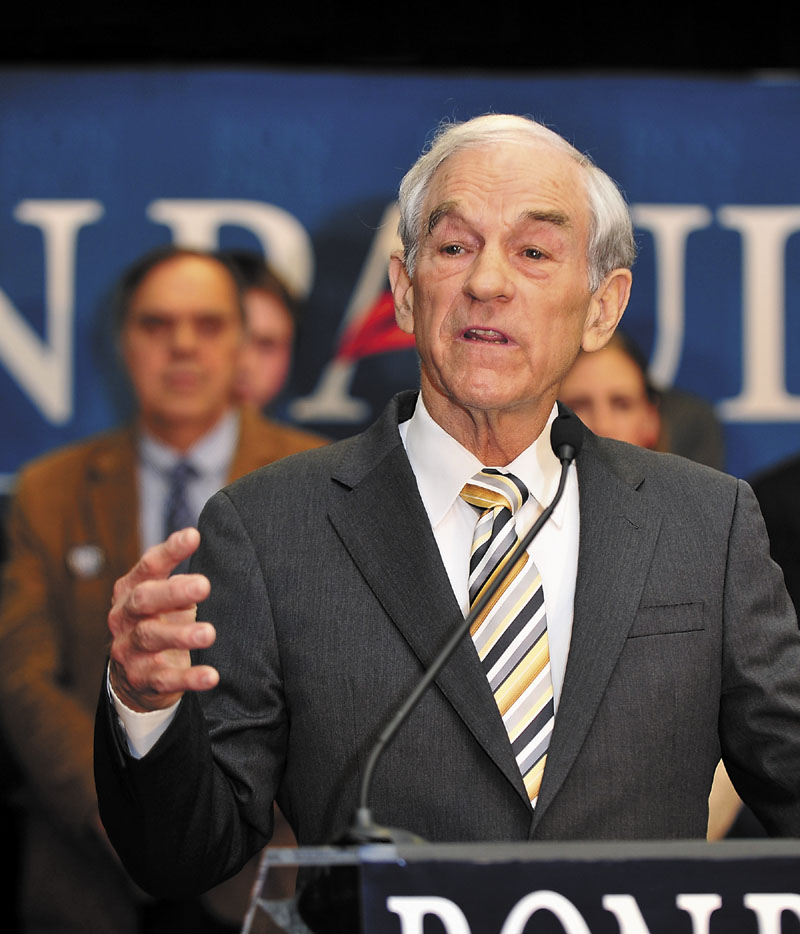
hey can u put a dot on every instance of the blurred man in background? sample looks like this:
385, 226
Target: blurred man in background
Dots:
80, 516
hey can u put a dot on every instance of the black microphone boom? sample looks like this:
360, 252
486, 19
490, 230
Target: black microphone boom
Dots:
566, 437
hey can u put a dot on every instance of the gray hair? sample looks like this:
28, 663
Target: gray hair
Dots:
611, 244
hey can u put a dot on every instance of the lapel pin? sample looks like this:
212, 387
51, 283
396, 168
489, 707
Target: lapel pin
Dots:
85, 561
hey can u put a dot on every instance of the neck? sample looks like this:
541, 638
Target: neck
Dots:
180, 435
496, 437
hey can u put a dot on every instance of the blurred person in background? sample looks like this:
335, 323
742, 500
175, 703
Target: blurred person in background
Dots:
630, 408
272, 317
78, 519
610, 392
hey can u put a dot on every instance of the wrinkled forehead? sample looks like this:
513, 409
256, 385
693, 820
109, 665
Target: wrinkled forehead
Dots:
509, 178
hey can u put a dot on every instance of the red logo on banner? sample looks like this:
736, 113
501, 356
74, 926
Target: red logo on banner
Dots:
375, 332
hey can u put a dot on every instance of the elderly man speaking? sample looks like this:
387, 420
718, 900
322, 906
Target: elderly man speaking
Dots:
645, 634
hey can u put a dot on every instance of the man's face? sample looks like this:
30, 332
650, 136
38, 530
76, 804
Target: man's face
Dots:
607, 391
180, 341
266, 353
500, 301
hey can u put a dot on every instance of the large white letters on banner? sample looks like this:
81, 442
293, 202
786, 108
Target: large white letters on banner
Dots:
412, 910
699, 908
43, 364
768, 909
285, 241
764, 232
560, 907
44, 368
670, 225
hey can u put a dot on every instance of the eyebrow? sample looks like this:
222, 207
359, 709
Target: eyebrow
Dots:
556, 218
440, 211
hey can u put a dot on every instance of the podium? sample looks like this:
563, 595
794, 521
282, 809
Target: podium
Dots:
674, 887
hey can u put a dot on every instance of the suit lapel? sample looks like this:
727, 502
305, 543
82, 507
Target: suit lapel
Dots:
618, 533
383, 525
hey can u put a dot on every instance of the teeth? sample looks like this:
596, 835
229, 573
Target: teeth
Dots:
485, 334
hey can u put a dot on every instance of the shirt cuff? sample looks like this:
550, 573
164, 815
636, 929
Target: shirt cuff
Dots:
142, 730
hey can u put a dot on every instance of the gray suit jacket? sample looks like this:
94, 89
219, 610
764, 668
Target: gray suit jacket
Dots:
330, 599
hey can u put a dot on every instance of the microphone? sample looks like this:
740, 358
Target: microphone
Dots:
329, 901
566, 438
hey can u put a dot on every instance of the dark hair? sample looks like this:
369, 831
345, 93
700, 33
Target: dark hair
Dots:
135, 274
255, 273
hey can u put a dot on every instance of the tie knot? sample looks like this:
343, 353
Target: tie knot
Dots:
181, 473
490, 488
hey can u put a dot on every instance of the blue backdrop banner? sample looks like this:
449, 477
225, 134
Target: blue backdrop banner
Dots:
98, 166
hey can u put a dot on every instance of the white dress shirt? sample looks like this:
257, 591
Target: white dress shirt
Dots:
210, 457
442, 467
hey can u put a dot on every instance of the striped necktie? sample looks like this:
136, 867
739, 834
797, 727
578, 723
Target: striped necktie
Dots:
511, 632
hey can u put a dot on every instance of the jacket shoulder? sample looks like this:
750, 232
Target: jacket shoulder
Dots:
286, 437
668, 475
97, 453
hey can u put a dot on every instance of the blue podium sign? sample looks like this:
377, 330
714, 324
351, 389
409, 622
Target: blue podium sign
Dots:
639, 888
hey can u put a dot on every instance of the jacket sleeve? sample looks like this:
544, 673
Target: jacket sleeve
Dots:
47, 726
194, 809
760, 699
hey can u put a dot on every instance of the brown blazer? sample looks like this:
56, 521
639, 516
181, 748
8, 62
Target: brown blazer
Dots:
72, 531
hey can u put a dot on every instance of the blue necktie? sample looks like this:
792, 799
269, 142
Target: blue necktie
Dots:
177, 512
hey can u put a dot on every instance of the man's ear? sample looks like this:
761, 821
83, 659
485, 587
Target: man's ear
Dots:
605, 309
403, 292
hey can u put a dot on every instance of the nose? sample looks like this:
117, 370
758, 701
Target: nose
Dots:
184, 337
490, 276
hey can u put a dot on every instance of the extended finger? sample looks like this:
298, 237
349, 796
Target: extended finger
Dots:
154, 597
160, 560
179, 680
158, 635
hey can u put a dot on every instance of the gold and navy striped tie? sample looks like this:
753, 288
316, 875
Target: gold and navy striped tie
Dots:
511, 632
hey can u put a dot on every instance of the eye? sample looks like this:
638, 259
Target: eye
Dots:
533, 252
153, 325
452, 249
209, 325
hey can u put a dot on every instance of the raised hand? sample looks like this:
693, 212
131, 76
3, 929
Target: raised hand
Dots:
153, 623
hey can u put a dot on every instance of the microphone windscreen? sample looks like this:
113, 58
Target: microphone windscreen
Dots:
566, 436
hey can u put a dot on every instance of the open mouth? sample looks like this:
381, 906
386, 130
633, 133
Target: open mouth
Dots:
485, 335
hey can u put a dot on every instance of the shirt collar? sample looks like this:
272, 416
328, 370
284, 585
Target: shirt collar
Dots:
210, 454
442, 466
